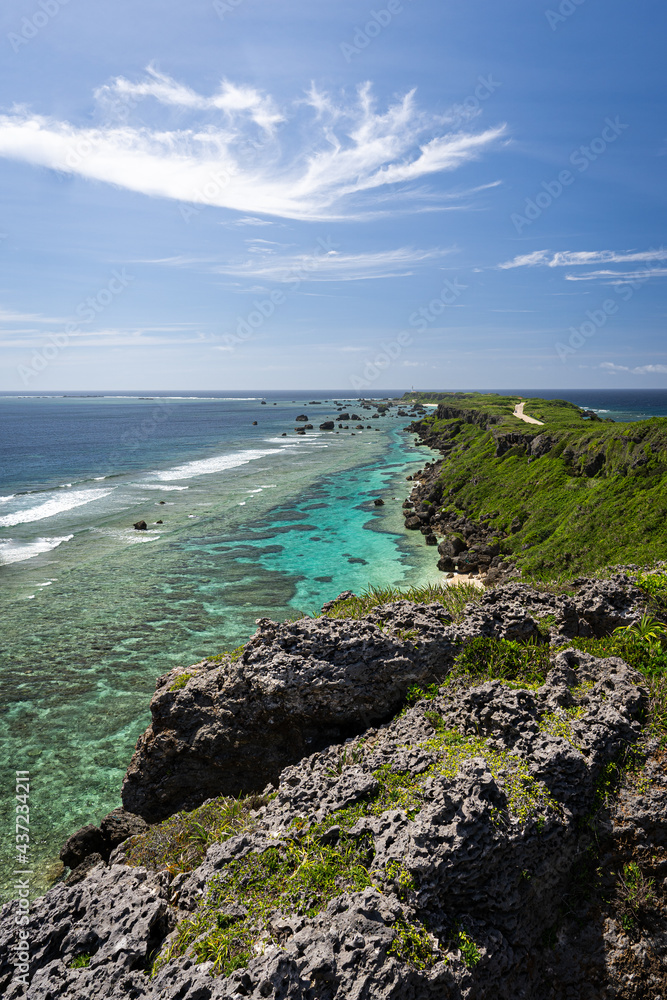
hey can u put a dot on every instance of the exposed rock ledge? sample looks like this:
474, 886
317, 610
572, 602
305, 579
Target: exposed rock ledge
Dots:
298, 687
490, 851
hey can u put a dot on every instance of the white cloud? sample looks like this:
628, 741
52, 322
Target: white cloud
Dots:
8, 316
570, 258
110, 337
328, 155
249, 220
321, 265
231, 99
610, 367
620, 277
526, 260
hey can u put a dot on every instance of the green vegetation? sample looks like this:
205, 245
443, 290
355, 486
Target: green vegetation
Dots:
180, 682
80, 962
635, 895
232, 655
180, 843
412, 944
469, 950
245, 904
645, 654
527, 798
453, 599
655, 586
300, 876
416, 693
560, 723
520, 664
591, 495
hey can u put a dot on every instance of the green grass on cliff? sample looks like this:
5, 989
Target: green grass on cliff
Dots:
596, 498
247, 904
179, 843
453, 598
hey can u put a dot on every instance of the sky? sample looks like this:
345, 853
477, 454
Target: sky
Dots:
269, 194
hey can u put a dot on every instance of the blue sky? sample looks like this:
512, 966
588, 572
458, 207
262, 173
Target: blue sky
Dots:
280, 193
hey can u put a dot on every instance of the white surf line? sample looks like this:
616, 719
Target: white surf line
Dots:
518, 412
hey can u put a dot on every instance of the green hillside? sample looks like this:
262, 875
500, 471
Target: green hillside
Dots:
569, 496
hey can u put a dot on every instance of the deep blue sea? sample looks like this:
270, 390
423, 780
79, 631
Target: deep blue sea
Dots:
242, 523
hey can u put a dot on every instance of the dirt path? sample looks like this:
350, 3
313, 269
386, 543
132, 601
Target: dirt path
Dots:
518, 412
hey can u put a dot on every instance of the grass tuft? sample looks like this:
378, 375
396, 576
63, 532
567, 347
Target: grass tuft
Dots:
179, 843
482, 659
453, 599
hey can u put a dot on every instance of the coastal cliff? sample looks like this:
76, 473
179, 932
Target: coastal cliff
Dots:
568, 494
466, 798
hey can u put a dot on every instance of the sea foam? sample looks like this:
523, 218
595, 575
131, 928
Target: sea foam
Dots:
56, 505
217, 463
12, 551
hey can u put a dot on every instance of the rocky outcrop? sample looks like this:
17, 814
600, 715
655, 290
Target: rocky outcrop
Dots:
473, 813
447, 412
233, 727
458, 830
112, 921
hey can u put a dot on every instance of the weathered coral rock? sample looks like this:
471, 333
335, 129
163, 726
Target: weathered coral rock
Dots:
484, 863
296, 688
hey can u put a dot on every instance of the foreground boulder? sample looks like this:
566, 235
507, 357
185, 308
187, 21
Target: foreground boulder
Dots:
229, 728
232, 727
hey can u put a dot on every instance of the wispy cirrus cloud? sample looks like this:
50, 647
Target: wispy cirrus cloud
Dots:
9, 316
620, 277
610, 367
112, 337
326, 266
578, 258
249, 220
319, 157
231, 99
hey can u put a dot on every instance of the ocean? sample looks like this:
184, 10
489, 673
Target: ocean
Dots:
242, 523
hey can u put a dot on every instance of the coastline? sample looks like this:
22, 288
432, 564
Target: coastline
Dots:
82, 711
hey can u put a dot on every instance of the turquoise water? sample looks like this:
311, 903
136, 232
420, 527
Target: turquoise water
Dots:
93, 611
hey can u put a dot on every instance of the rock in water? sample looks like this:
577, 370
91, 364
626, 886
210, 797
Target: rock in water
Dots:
328, 425
140, 526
